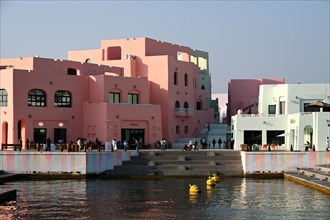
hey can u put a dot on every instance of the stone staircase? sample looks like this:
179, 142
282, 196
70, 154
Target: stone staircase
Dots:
216, 131
319, 173
177, 163
318, 177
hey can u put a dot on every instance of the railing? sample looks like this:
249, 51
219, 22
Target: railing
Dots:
184, 112
11, 146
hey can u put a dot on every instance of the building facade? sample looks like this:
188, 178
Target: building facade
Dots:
130, 88
243, 94
288, 115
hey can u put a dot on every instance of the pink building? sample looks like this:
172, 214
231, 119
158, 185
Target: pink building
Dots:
244, 94
127, 89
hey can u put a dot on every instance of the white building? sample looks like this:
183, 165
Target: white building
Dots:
286, 118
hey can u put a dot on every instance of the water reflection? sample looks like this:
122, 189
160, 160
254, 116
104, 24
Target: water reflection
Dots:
165, 199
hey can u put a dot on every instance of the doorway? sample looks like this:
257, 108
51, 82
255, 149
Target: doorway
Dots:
131, 134
60, 135
39, 135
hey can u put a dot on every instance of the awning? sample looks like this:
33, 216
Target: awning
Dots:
283, 135
319, 103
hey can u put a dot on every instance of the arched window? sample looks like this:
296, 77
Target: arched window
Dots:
3, 97
177, 104
185, 105
203, 87
114, 97
62, 99
175, 78
133, 98
186, 79
37, 98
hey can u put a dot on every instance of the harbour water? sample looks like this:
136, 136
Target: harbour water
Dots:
231, 198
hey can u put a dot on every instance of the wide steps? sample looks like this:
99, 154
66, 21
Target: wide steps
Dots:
315, 173
181, 163
198, 162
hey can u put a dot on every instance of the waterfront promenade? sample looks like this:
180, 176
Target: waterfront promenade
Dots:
94, 162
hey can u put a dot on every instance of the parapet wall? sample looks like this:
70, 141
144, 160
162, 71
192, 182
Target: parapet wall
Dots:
62, 162
277, 162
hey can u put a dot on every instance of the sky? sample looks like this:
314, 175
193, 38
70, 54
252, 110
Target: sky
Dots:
244, 39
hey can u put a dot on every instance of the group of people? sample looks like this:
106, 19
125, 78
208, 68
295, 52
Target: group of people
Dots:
191, 146
134, 143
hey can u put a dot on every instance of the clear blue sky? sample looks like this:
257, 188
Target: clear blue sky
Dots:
244, 39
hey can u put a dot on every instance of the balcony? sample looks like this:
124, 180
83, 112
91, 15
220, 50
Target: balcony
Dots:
185, 112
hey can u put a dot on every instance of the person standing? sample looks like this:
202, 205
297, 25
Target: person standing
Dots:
79, 143
213, 142
48, 142
28, 143
219, 142
232, 143
125, 145
328, 143
162, 144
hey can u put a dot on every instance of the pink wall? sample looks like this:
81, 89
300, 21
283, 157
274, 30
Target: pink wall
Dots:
244, 92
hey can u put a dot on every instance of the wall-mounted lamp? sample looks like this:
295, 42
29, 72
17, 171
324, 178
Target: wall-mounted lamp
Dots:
50, 82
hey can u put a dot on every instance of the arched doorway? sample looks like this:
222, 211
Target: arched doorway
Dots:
308, 134
4, 139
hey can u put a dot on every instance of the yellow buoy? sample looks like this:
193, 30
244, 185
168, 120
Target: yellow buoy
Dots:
216, 178
210, 182
209, 187
194, 189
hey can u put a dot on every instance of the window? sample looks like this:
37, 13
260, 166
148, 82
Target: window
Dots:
114, 53
186, 129
175, 78
3, 97
282, 107
271, 109
114, 97
202, 63
133, 98
36, 98
177, 129
177, 104
185, 105
62, 99
199, 105
186, 79
72, 72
